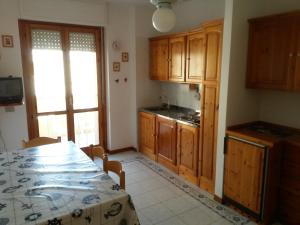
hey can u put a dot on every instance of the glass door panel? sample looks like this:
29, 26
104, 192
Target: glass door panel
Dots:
86, 128
66, 82
83, 67
48, 66
53, 126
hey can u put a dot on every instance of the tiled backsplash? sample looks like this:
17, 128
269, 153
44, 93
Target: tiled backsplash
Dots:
181, 95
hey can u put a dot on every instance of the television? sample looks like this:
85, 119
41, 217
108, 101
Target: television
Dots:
11, 90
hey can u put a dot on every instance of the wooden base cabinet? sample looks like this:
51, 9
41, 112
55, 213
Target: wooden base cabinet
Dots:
166, 142
187, 152
251, 177
289, 198
147, 134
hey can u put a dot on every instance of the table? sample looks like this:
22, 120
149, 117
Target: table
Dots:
58, 184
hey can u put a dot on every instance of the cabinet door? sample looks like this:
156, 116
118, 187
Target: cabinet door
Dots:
270, 55
147, 134
177, 59
195, 57
297, 55
187, 152
213, 52
209, 126
159, 65
243, 177
166, 142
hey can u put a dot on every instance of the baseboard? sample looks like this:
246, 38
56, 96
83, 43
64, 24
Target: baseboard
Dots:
111, 152
218, 199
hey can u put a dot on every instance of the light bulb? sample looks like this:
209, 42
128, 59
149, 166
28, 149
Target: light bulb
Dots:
163, 19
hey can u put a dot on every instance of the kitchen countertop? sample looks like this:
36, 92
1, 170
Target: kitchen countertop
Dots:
265, 133
180, 114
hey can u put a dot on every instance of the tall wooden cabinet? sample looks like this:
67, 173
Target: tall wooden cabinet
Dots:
208, 137
159, 59
147, 134
166, 142
210, 106
274, 52
187, 152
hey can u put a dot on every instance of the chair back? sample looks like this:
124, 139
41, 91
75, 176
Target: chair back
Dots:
116, 167
40, 141
98, 151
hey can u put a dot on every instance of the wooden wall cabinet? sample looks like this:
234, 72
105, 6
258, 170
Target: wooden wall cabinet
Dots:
193, 56
177, 46
274, 52
213, 37
147, 134
159, 59
195, 59
187, 152
166, 142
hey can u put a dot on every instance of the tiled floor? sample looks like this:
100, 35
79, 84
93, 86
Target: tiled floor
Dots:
159, 201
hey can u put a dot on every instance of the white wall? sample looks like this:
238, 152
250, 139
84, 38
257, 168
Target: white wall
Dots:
13, 125
147, 91
237, 104
280, 108
190, 14
122, 106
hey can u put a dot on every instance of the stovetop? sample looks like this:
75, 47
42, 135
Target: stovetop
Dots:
266, 129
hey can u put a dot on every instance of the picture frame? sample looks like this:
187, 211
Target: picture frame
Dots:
7, 41
125, 57
116, 66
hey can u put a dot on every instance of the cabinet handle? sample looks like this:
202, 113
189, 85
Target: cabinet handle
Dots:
291, 55
298, 54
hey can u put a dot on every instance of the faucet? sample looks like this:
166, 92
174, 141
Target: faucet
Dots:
166, 101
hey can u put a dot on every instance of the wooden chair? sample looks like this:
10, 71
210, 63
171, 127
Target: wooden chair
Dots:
116, 167
98, 151
40, 141
112, 166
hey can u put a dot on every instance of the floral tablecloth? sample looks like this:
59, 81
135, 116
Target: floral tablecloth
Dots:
58, 184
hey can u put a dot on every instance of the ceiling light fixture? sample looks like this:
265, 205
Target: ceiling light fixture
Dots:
163, 18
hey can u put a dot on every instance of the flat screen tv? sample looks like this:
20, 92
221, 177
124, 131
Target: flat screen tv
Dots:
11, 90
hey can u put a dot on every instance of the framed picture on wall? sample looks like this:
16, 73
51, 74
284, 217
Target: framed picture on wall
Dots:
7, 41
116, 66
125, 57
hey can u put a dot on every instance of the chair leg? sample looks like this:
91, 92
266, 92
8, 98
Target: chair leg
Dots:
105, 159
122, 180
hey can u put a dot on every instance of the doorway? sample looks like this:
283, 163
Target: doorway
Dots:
64, 81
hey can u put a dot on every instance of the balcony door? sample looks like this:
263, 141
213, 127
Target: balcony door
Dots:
64, 84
